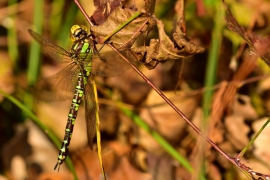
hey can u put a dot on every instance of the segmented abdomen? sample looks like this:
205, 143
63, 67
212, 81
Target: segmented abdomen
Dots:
72, 115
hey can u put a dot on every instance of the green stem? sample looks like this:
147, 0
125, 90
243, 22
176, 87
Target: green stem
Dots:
137, 14
211, 70
33, 66
12, 36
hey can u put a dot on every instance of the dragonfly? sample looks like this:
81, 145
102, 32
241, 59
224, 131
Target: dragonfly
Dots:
74, 82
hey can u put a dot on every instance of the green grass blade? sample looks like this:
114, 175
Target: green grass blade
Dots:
253, 139
12, 36
33, 66
163, 143
211, 71
34, 54
68, 22
137, 14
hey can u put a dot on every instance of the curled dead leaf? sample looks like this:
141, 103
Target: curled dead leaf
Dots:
124, 38
166, 48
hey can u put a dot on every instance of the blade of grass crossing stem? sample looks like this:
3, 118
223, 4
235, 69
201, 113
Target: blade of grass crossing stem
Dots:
97, 129
211, 71
253, 139
163, 143
123, 25
49, 133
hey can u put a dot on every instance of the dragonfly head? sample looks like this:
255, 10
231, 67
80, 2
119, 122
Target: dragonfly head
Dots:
78, 32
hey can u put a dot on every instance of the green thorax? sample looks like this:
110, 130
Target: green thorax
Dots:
82, 49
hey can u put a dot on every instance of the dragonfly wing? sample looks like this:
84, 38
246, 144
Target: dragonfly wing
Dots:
90, 111
108, 63
60, 86
55, 52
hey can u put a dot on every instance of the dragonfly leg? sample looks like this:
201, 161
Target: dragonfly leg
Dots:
57, 165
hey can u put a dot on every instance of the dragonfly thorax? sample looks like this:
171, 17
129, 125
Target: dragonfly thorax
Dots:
80, 47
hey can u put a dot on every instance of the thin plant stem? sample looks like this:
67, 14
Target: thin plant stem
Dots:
173, 106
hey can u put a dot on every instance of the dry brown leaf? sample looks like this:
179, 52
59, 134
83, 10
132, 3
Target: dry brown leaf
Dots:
86, 164
109, 119
165, 48
45, 153
262, 142
182, 174
138, 158
103, 10
242, 107
233, 124
63, 175
217, 133
133, 89
115, 161
264, 85
161, 117
161, 167
124, 38
125, 171
213, 172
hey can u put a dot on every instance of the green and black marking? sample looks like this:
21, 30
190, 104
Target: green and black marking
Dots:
76, 76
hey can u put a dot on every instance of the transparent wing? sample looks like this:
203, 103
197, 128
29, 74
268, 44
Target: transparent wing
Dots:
90, 108
60, 86
55, 52
106, 64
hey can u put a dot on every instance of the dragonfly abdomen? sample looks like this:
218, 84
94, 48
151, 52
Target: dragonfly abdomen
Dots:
72, 115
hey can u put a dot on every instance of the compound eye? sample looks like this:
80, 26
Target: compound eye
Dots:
78, 32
